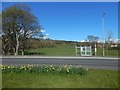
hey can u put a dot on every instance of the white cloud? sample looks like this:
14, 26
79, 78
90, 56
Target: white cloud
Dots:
116, 40
42, 30
46, 34
82, 41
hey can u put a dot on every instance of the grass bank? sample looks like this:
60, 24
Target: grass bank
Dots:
60, 50
94, 79
69, 50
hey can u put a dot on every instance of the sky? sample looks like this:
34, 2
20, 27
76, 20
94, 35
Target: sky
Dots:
74, 21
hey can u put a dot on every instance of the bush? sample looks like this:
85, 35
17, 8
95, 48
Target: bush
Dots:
25, 52
36, 53
31, 53
114, 48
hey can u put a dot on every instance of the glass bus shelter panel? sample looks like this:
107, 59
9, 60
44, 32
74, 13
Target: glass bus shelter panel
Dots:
86, 51
82, 51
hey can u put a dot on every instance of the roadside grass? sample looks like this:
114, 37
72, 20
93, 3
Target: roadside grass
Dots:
107, 52
94, 79
69, 50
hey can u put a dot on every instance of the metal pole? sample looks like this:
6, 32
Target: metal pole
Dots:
103, 33
95, 49
76, 50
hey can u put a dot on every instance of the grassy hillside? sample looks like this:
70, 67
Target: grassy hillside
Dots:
69, 50
61, 50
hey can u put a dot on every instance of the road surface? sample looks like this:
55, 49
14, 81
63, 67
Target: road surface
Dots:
87, 62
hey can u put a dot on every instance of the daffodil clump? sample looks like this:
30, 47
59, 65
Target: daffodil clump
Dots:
64, 69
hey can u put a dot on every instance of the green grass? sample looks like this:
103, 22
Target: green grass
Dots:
61, 50
107, 52
94, 79
69, 50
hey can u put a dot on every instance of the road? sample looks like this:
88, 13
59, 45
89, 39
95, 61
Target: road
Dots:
87, 62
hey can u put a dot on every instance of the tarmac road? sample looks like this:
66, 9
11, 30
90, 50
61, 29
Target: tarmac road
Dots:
87, 62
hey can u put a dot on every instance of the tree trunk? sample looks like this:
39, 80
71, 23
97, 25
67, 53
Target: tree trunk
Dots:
17, 46
22, 52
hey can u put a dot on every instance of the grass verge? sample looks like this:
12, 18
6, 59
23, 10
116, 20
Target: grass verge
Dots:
94, 79
69, 50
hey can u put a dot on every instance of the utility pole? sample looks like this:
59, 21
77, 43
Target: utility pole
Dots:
103, 32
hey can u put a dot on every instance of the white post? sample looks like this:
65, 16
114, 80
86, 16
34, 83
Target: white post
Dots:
95, 49
81, 50
85, 51
76, 50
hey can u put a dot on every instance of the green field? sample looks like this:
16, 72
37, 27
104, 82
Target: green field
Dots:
61, 50
94, 79
107, 52
69, 50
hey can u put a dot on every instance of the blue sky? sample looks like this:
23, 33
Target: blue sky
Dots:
74, 21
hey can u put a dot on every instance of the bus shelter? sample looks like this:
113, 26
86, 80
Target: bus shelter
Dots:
83, 50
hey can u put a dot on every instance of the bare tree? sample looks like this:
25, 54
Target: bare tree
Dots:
109, 37
93, 40
109, 40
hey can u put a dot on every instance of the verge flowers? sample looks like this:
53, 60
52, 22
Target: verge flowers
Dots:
66, 69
